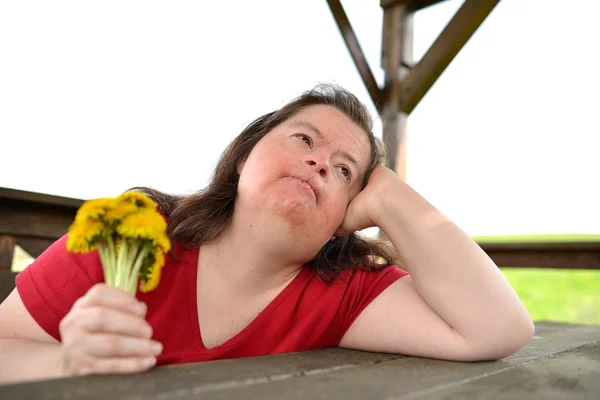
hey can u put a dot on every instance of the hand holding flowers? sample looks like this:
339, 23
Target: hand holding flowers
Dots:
106, 332
129, 235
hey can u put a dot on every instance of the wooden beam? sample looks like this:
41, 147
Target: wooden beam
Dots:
458, 31
38, 198
35, 215
396, 53
34, 221
584, 255
355, 50
413, 5
7, 246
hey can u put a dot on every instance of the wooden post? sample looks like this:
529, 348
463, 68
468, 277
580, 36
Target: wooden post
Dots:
396, 55
7, 246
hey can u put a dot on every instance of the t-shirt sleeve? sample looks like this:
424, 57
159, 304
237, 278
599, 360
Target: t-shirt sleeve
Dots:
363, 287
54, 281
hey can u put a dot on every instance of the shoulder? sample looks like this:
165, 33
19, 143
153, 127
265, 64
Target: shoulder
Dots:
353, 289
367, 278
345, 297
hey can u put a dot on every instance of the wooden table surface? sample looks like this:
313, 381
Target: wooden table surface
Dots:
562, 361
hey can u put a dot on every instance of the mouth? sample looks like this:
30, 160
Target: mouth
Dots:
308, 186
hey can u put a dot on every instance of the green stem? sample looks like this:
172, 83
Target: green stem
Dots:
128, 261
135, 271
110, 278
104, 260
121, 263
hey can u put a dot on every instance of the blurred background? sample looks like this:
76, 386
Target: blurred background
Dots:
98, 97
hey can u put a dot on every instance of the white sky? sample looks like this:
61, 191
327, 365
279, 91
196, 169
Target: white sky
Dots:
97, 97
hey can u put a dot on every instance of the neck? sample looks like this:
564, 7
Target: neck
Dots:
250, 258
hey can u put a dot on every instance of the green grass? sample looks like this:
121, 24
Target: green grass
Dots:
554, 294
558, 295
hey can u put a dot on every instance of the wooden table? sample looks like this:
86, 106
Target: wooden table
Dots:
562, 361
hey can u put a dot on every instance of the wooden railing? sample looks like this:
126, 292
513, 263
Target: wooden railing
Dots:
34, 221
570, 255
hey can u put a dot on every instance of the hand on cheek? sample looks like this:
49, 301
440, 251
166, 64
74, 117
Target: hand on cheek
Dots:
365, 209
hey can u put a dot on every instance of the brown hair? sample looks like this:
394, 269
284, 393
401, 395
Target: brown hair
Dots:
202, 217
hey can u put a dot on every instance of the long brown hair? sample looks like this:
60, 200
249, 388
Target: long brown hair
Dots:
202, 217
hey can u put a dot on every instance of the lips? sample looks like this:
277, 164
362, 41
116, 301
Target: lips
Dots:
309, 185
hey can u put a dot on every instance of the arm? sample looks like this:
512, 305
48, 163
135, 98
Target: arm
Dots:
21, 336
104, 333
456, 304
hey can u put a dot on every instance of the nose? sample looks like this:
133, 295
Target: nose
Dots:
319, 165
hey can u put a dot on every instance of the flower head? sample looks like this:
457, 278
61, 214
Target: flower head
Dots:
130, 235
119, 210
84, 235
138, 199
151, 271
145, 224
94, 209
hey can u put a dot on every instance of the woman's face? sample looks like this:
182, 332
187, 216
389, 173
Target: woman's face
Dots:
303, 174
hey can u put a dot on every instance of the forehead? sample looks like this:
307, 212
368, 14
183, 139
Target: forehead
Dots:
333, 127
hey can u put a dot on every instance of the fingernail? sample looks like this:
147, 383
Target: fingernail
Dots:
157, 347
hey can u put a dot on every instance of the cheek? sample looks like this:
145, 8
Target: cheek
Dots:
259, 164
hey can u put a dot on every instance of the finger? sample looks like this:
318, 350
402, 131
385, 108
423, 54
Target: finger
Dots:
108, 320
107, 296
109, 345
119, 365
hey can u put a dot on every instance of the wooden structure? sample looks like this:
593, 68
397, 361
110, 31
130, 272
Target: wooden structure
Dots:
406, 82
560, 362
34, 220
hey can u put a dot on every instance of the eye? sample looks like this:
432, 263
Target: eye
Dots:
305, 139
345, 171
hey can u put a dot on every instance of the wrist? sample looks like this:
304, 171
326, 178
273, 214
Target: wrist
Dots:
388, 202
401, 208
60, 365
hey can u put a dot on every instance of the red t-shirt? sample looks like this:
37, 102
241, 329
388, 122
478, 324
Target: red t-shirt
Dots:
308, 314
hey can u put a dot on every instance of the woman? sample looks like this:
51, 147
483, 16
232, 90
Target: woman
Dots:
266, 261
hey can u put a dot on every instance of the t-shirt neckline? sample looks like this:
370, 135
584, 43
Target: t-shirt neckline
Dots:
192, 261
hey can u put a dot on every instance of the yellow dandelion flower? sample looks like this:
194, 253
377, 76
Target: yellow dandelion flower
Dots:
151, 274
162, 241
130, 236
84, 235
138, 199
144, 224
94, 209
120, 210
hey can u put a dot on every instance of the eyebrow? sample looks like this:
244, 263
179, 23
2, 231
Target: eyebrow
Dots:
317, 131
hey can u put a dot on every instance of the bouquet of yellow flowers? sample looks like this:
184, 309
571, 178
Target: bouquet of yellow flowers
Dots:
130, 236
